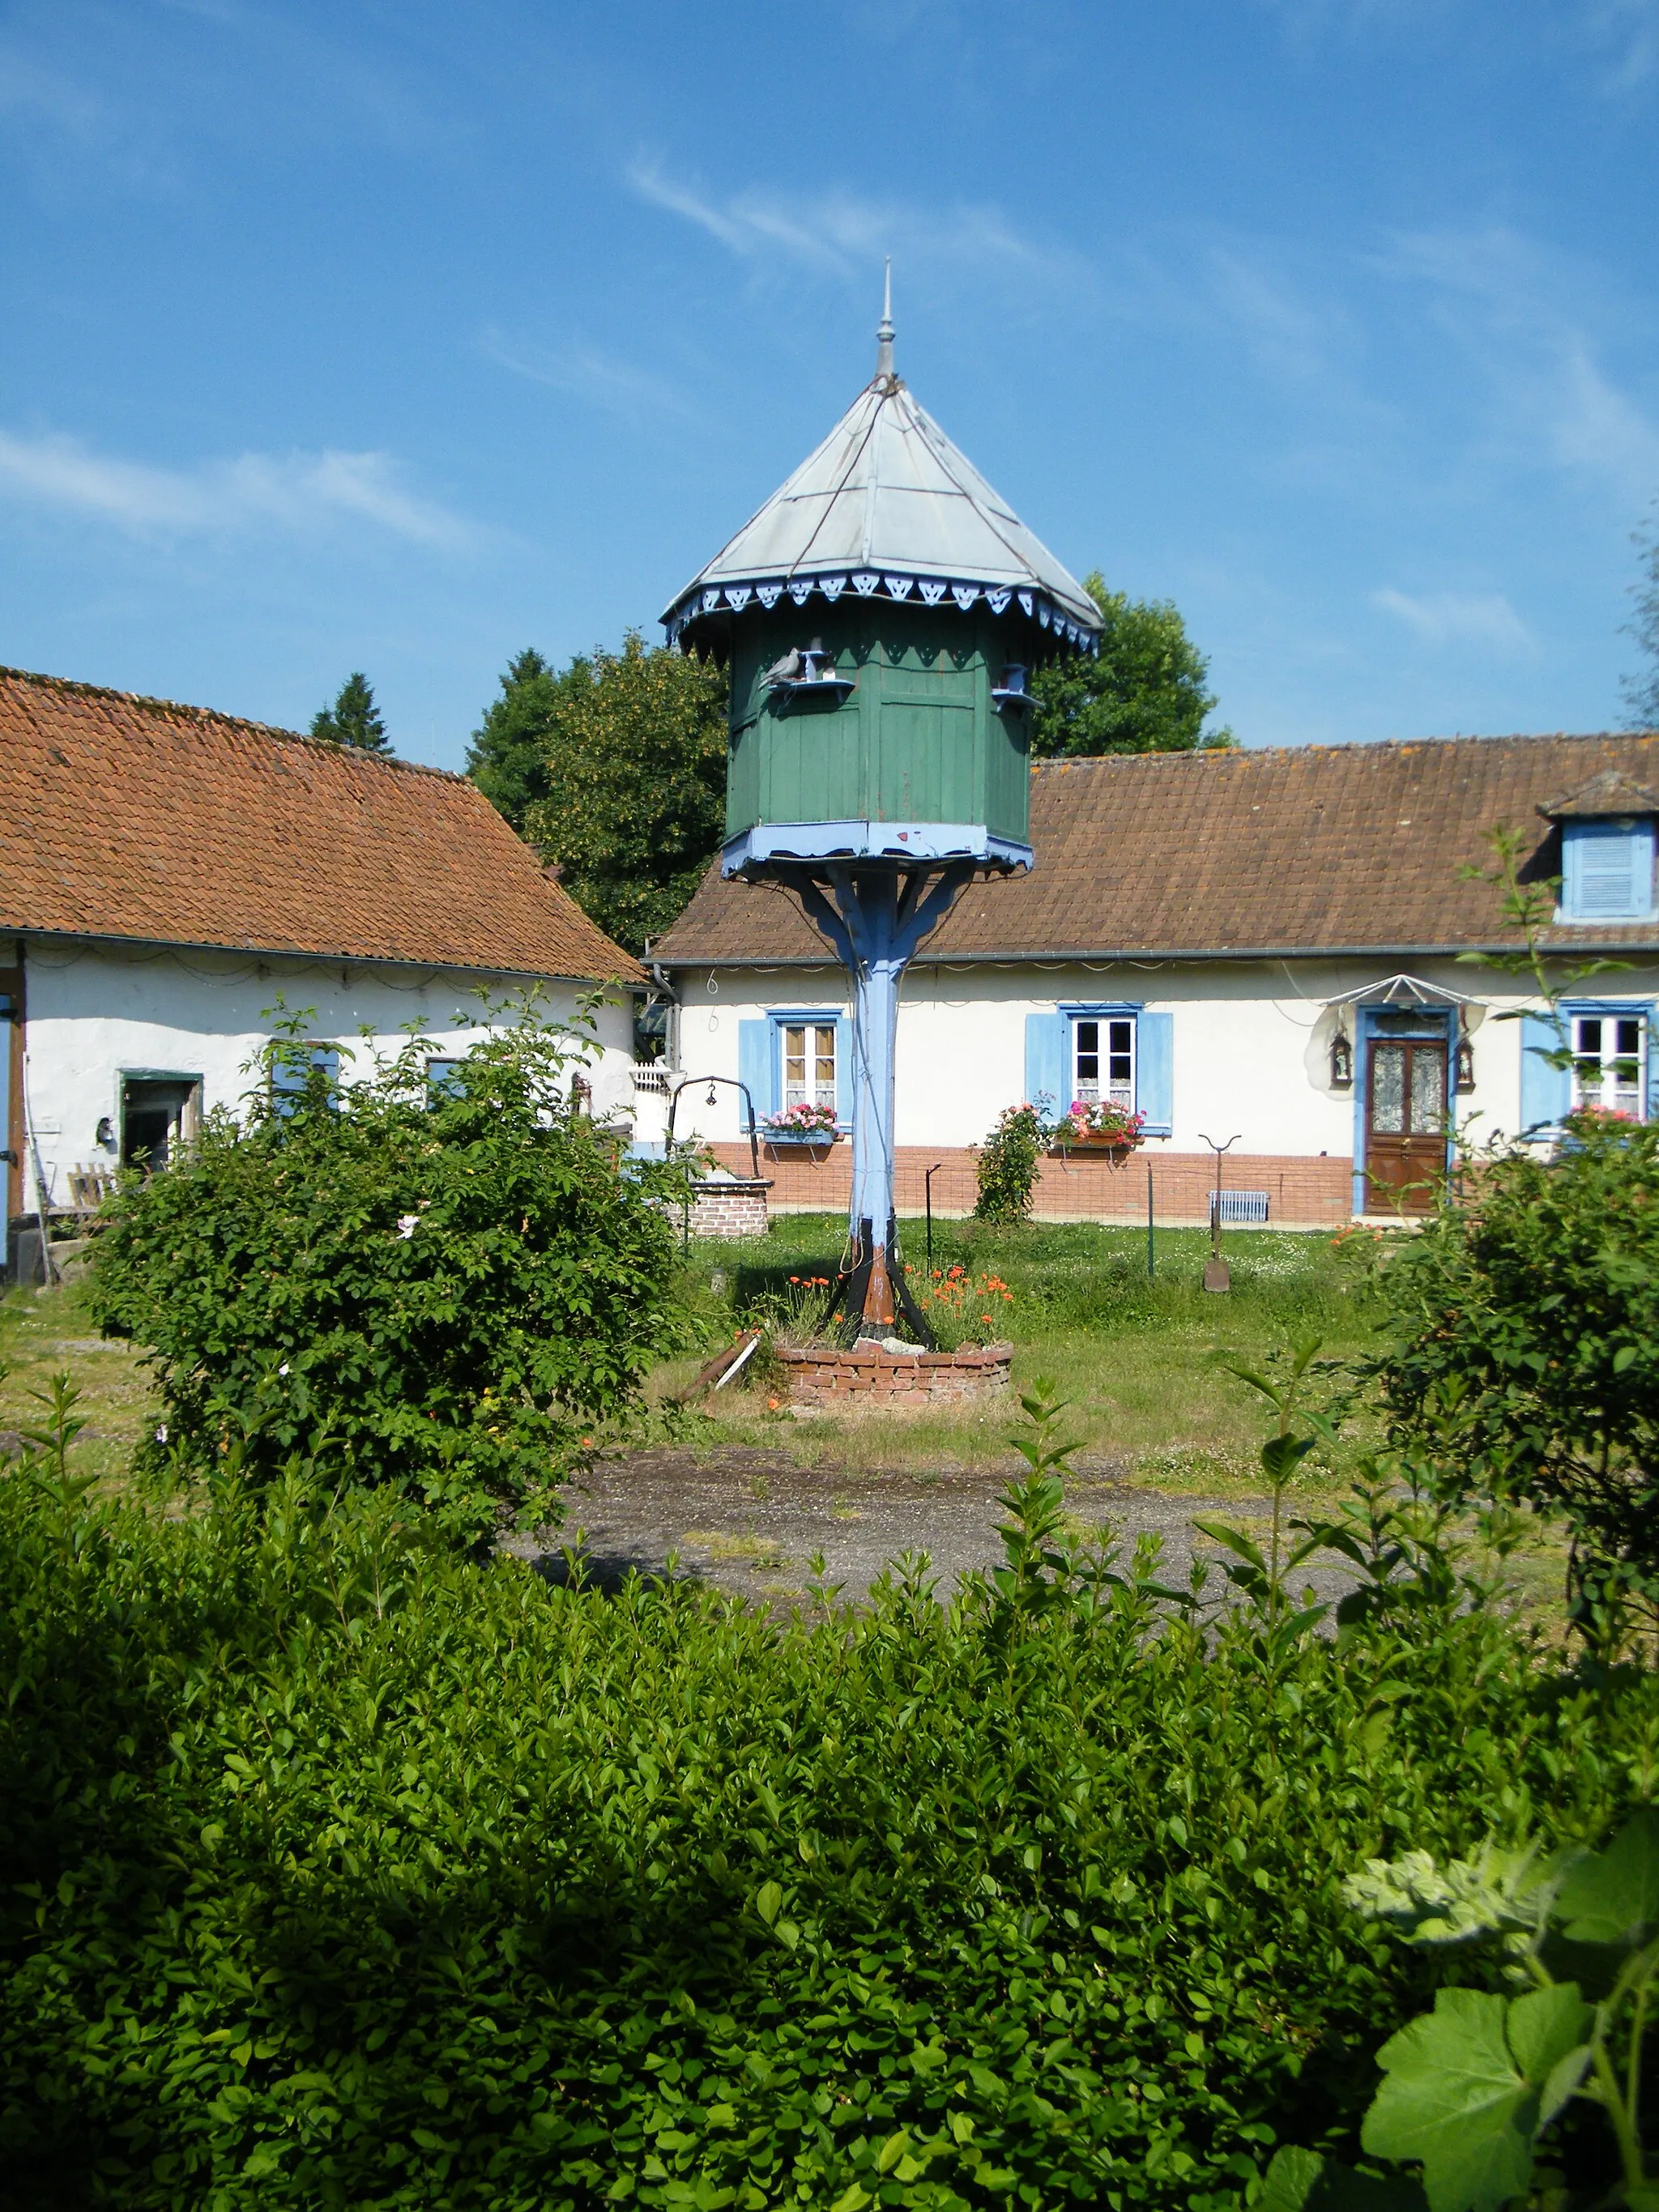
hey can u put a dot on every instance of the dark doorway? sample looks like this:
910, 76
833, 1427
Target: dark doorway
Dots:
158, 1113
1405, 1123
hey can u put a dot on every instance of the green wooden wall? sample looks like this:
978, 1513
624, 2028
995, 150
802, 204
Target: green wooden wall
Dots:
918, 739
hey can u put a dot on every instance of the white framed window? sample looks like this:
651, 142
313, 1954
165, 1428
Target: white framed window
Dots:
808, 1064
1609, 1063
1103, 1059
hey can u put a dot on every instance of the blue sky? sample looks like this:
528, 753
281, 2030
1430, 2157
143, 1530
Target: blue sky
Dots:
402, 336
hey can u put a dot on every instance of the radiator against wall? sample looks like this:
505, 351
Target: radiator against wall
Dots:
1244, 1205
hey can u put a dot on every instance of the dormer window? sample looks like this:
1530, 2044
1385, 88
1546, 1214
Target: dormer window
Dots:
1607, 849
1606, 869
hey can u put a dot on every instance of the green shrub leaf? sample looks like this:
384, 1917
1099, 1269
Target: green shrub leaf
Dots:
1464, 2091
1612, 1896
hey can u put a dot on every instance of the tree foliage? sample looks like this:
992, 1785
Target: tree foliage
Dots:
635, 804
507, 757
434, 1287
1144, 692
354, 719
1642, 691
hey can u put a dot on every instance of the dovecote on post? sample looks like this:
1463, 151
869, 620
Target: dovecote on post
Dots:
880, 615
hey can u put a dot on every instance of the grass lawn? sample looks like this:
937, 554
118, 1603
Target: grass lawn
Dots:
1140, 1360
47, 1333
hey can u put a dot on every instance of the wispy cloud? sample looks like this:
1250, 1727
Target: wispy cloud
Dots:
27, 88
837, 232
1288, 335
295, 491
588, 374
1629, 31
1525, 318
1457, 619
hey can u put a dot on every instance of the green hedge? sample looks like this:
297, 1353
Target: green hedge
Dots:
336, 1870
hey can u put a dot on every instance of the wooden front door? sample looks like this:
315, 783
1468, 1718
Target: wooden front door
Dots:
1404, 1124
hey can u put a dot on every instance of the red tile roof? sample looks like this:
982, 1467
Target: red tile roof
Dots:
1315, 849
130, 817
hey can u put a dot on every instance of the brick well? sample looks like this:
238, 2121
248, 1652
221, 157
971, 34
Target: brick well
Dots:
729, 1208
872, 1379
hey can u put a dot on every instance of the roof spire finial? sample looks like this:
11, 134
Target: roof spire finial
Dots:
884, 335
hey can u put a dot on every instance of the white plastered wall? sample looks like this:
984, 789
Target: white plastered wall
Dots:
94, 1012
1252, 1041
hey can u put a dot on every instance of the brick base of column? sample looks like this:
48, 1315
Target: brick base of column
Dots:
872, 1379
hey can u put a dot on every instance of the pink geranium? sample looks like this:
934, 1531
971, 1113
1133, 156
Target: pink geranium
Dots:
801, 1120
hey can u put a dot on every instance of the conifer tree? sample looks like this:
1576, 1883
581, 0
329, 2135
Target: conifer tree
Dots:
507, 757
353, 719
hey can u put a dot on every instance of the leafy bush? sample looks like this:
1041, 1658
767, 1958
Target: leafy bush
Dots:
1524, 1348
338, 1869
446, 1285
1008, 1164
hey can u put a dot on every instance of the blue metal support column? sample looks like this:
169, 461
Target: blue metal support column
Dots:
878, 920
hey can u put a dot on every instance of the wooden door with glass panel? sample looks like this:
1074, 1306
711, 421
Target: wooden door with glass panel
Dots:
1405, 1123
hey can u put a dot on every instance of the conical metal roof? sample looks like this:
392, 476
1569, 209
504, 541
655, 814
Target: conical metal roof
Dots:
887, 506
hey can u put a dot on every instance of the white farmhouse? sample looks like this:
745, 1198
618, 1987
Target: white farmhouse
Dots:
1266, 949
171, 877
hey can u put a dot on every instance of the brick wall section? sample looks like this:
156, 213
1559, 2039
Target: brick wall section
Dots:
729, 1209
1303, 1194
878, 1381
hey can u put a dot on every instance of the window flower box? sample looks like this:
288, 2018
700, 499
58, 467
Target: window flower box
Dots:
800, 1127
1090, 1126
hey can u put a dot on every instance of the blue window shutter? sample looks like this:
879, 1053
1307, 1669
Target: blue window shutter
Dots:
757, 1067
843, 1070
1606, 870
289, 1077
1155, 1072
1653, 1064
1546, 1092
1047, 1049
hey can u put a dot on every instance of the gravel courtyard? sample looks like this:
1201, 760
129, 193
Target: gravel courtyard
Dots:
750, 1519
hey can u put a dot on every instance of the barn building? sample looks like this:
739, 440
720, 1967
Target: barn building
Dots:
172, 878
